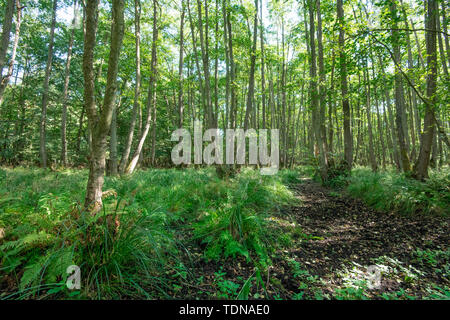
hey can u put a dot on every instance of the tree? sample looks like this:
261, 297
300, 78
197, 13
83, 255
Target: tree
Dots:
5, 79
6, 31
316, 114
66, 90
137, 87
48, 69
251, 79
151, 99
180, 68
400, 118
348, 140
421, 166
100, 120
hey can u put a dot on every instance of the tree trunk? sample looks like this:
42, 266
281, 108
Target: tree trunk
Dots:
6, 31
204, 46
322, 85
251, 79
263, 80
5, 80
180, 69
151, 99
348, 141
400, 117
66, 91
113, 145
137, 88
421, 166
100, 121
314, 95
48, 69
373, 162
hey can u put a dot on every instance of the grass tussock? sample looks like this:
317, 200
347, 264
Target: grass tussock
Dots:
390, 190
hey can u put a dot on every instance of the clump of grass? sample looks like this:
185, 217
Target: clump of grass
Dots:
390, 190
238, 225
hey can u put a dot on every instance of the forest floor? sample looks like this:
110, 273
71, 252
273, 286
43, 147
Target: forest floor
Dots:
203, 237
341, 237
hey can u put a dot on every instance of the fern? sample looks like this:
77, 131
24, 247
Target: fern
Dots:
32, 272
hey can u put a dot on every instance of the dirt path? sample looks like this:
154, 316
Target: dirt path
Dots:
412, 252
332, 240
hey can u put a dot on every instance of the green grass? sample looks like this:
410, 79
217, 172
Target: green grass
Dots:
156, 224
160, 213
390, 190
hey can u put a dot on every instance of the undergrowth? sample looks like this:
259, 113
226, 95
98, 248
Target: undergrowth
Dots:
135, 247
390, 190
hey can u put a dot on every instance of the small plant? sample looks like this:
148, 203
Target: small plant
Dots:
350, 293
431, 257
438, 293
227, 289
397, 295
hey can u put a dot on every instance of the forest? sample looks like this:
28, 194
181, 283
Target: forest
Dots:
98, 201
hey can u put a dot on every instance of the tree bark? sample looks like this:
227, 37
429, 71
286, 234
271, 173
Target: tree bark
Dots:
48, 69
151, 99
137, 88
348, 141
322, 85
251, 79
66, 91
400, 117
421, 166
373, 162
100, 121
314, 95
5, 80
6, 31
263, 80
180, 69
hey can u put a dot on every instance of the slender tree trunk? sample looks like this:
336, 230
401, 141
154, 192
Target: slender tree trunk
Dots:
197, 63
100, 121
6, 31
180, 69
421, 166
48, 69
216, 67
331, 106
441, 46
315, 96
227, 67
137, 88
151, 99
348, 141
232, 72
113, 145
373, 162
263, 80
322, 85
5, 79
400, 117
204, 46
251, 79
66, 91
444, 26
